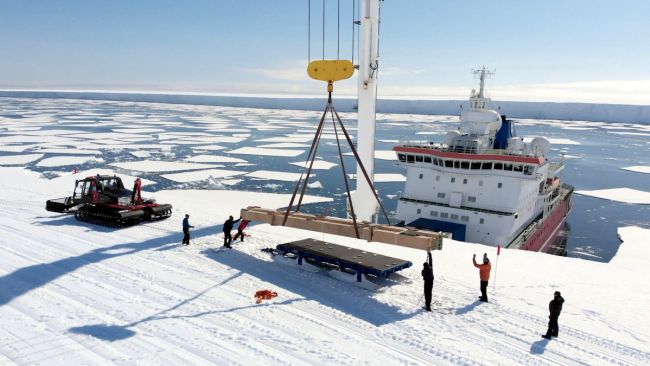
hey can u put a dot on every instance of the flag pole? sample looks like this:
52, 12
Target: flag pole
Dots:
496, 267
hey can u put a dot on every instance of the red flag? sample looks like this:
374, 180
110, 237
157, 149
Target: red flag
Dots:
498, 249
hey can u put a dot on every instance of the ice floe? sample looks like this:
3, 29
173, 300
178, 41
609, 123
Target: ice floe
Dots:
152, 166
638, 169
627, 195
266, 152
553, 140
384, 177
68, 160
214, 159
318, 164
273, 175
200, 175
19, 159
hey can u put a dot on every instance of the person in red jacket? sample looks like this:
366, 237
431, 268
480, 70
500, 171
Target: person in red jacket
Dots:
240, 230
484, 272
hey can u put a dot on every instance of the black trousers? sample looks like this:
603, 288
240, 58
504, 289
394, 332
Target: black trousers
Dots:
186, 236
428, 287
553, 327
484, 285
227, 239
239, 234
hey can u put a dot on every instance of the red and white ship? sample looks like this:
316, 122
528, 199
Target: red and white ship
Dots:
484, 184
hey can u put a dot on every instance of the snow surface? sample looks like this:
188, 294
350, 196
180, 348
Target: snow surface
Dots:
75, 293
627, 195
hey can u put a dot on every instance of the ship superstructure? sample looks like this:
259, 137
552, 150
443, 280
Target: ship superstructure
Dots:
484, 184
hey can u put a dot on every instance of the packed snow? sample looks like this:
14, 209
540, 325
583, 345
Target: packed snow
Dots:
75, 293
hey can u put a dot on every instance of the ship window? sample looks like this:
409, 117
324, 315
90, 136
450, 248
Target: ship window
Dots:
480, 183
444, 215
437, 178
434, 213
449, 164
464, 164
435, 161
418, 158
507, 167
482, 220
410, 158
518, 168
528, 170
454, 216
419, 211
421, 175
465, 181
456, 164
453, 179
464, 218
486, 166
499, 185
471, 199
498, 166
401, 157
441, 195
476, 166
427, 159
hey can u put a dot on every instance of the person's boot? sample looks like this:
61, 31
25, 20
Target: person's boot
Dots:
546, 337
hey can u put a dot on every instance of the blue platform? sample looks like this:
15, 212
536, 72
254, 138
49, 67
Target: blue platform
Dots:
457, 230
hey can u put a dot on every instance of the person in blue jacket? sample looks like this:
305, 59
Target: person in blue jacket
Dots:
186, 230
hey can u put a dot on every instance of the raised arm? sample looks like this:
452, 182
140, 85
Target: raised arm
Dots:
429, 259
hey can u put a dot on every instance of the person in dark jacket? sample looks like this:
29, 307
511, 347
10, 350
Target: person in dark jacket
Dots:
186, 230
427, 276
240, 230
227, 228
484, 273
554, 308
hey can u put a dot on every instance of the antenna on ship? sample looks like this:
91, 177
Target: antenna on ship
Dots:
478, 101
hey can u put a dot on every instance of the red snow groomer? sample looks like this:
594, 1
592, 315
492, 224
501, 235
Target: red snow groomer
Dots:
102, 199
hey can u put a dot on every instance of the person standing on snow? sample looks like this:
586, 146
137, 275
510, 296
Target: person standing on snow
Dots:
186, 230
227, 228
484, 272
240, 230
427, 276
554, 308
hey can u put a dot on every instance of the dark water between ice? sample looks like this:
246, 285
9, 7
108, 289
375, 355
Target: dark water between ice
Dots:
594, 163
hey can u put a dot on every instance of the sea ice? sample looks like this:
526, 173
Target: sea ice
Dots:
19, 159
214, 159
384, 177
67, 160
272, 175
638, 169
318, 164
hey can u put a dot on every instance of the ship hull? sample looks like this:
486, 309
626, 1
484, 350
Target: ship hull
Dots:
549, 238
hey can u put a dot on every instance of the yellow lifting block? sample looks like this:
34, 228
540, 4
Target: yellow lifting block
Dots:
330, 70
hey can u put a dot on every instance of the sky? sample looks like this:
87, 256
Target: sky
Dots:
552, 50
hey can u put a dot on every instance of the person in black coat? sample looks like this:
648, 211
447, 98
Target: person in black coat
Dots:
227, 228
427, 276
554, 308
186, 230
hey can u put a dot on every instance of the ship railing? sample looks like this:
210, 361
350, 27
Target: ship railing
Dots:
423, 144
